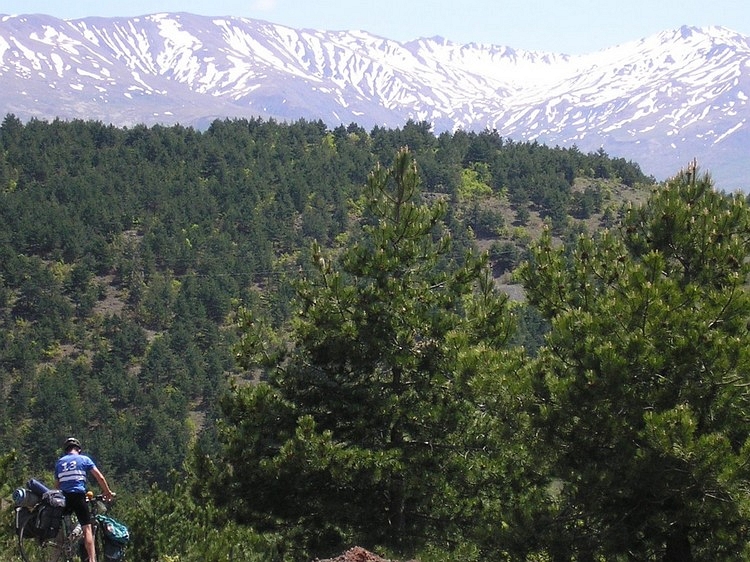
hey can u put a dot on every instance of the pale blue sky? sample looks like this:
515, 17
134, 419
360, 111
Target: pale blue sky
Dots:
563, 26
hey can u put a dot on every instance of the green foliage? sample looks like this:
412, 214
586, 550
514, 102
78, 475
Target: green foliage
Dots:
643, 379
126, 253
170, 526
379, 432
474, 181
7, 485
505, 256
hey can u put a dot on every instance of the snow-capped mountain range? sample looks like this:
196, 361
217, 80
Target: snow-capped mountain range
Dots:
660, 101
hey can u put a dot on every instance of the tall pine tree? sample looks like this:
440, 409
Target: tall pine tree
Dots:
645, 379
372, 425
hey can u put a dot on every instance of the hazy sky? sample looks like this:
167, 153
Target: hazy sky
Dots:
563, 26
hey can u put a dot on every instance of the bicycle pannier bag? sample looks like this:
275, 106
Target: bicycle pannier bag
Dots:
114, 531
49, 514
55, 498
113, 551
22, 515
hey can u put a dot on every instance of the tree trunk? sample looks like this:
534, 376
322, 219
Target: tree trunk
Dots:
398, 494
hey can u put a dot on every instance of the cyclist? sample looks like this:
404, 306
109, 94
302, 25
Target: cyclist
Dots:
71, 472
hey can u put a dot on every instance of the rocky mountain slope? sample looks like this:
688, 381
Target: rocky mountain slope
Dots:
660, 101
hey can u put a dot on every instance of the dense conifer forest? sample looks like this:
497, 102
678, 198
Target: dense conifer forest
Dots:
278, 340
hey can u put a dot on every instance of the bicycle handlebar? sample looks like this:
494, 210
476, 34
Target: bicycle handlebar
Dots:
100, 497
98, 504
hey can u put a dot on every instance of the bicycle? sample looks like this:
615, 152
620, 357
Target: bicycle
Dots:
68, 543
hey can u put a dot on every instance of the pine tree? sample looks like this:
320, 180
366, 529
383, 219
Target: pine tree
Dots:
370, 427
645, 378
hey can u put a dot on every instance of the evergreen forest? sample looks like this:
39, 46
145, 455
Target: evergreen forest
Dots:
280, 340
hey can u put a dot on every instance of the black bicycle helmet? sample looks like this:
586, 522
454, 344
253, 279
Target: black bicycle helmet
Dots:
71, 442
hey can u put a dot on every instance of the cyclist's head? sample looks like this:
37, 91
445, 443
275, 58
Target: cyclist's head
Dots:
72, 443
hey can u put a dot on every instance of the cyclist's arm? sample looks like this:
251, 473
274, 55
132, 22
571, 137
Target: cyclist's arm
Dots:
108, 494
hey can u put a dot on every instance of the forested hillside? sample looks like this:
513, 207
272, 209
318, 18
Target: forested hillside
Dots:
125, 253
150, 277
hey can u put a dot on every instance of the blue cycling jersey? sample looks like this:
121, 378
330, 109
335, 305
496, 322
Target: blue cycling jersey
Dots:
71, 471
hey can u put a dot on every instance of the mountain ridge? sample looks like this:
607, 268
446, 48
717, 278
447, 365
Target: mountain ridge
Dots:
660, 101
